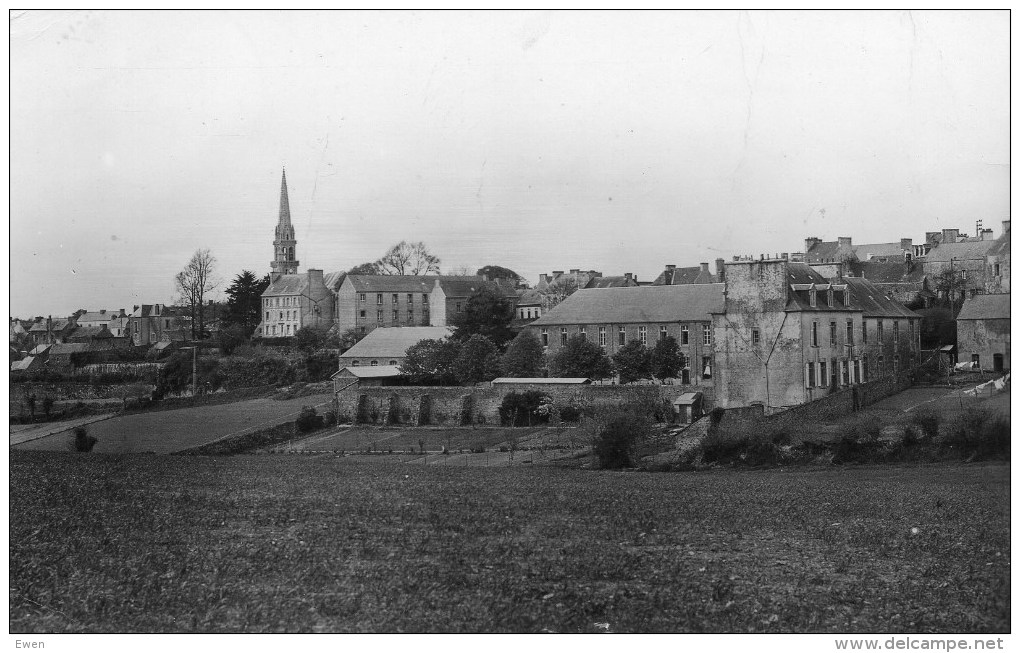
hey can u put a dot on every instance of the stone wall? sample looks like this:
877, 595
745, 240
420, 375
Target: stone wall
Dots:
454, 406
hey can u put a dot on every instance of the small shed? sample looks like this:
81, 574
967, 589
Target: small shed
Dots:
688, 407
367, 376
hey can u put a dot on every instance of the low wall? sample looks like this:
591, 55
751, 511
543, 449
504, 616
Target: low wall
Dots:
452, 406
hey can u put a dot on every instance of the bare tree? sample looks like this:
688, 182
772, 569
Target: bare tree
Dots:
193, 282
558, 291
408, 258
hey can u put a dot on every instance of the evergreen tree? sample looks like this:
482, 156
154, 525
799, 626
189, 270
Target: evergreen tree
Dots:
666, 362
486, 313
244, 301
581, 358
633, 362
524, 357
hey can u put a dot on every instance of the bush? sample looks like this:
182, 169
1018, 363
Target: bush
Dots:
81, 441
570, 414
927, 421
522, 409
616, 437
979, 434
859, 443
746, 443
308, 420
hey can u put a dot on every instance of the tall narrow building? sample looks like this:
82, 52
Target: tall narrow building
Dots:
285, 259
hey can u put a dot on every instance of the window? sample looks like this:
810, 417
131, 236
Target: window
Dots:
410, 298
976, 360
828, 298
864, 331
274, 329
361, 298
846, 297
706, 367
355, 364
706, 335
643, 334
374, 363
813, 298
410, 316
363, 330
281, 315
833, 373
361, 313
755, 337
896, 364
823, 373
881, 364
563, 335
858, 371
910, 330
288, 329
267, 315
393, 362
277, 302
378, 316
395, 318
844, 372
393, 298
896, 332
832, 334
378, 299
458, 307
995, 269
849, 332
602, 336
810, 383
864, 369
424, 298
545, 337
623, 335
814, 334
583, 331
662, 332
685, 336
880, 330
963, 274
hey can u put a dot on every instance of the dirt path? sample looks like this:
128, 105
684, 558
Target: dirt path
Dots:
21, 433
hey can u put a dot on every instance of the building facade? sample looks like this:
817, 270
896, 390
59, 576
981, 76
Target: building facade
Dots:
982, 332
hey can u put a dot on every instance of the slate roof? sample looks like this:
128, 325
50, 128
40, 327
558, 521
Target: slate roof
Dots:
868, 298
827, 252
680, 276
890, 272
879, 250
985, 307
88, 333
611, 282
97, 316
640, 304
67, 348
393, 282
287, 284
23, 364
529, 297
392, 342
467, 286
1001, 245
58, 324
969, 250
803, 273
369, 372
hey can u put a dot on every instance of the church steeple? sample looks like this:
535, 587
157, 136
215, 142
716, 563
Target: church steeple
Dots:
285, 245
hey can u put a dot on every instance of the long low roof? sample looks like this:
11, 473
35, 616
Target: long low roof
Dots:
545, 380
377, 372
392, 342
686, 303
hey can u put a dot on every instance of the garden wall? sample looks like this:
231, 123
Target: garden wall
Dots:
451, 406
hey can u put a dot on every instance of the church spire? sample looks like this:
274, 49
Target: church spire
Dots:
285, 245
284, 201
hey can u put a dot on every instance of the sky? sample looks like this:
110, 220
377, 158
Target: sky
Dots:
609, 140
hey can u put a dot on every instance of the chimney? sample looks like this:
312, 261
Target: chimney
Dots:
907, 244
720, 269
950, 235
811, 242
844, 241
314, 277
670, 268
785, 256
557, 273
543, 278
575, 271
986, 234
931, 237
135, 309
704, 267
122, 313
102, 311
1005, 227
629, 276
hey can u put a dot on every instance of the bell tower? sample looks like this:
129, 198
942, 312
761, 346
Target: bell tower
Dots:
285, 245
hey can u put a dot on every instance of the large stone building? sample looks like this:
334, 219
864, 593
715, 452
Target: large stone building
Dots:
384, 347
982, 332
787, 336
612, 317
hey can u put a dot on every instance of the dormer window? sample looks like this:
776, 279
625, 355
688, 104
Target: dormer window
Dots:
846, 297
813, 296
828, 297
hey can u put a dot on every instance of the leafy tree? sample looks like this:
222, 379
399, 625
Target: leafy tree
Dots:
349, 338
408, 258
478, 360
951, 287
485, 313
558, 291
524, 357
310, 339
193, 283
231, 337
633, 361
581, 358
666, 362
176, 375
365, 268
244, 301
430, 362
937, 327
493, 272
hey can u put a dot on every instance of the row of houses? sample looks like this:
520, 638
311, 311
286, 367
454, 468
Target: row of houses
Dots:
146, 324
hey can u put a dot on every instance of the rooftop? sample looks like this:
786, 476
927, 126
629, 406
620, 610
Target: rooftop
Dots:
985, 307
638, 304
392, 342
